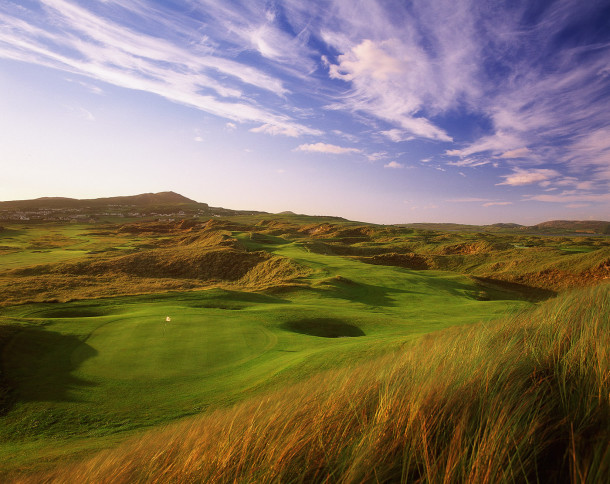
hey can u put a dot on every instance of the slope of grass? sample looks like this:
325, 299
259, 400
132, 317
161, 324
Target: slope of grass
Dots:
78, 376
85, 370
525, 399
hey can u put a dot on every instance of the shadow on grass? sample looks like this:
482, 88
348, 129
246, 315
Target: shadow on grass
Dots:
503, 290
323, 328
358, 292
37, 365
226, 299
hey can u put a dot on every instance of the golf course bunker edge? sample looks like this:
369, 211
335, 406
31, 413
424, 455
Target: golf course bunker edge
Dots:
323, 328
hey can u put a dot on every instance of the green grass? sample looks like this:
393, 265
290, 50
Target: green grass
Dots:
523, 399
52, 243
85, 370
85, 374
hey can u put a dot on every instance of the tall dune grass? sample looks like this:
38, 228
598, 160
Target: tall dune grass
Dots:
526, 399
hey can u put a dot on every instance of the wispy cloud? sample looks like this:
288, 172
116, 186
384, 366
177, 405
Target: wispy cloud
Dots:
468, 200
547, 106
379, 155
487, 85
528, 176
492, 204
326, 148
469, 162
518, 153
379, 72
82, 113
293, 130
571, 196
87, 41
393, 164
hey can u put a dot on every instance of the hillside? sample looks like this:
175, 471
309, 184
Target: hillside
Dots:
524, 399
55, 263
111, 327
146, 205
584, 226
551, 227
142, 200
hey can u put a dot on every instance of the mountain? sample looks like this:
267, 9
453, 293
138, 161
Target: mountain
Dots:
142, 200
583, 226
551, 227
169, 204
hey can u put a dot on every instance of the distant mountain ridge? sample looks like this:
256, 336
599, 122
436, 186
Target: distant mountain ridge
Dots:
550, 227
597, 226
144, 199
167, 204
169, 200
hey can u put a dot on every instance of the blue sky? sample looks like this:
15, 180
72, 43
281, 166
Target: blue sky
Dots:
379, 111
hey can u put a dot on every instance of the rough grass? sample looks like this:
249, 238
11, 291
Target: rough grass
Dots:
525, 399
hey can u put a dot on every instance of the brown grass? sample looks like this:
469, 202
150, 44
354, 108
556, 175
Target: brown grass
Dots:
526, 399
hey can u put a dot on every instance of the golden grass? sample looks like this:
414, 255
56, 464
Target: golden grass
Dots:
203, 259
526, 399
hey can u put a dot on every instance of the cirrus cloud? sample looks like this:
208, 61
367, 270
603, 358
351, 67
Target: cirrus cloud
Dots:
522, 176
326, 148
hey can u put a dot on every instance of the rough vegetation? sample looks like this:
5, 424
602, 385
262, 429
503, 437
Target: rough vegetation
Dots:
525, 399
303, 349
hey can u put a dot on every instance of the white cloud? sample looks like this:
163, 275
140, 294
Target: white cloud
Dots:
326, 148
496, 143
72, 38
84, 114
571, 196
366, 59
284, 129
397, 135
231, 126
528, 176
491, 204
380, 155
393, 164
389, 81
199, 139
469, 162
468, 200
518, 153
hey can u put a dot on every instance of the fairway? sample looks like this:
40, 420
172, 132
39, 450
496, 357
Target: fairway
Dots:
90, 369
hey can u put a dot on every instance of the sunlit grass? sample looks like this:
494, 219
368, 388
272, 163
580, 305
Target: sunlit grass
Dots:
525, 399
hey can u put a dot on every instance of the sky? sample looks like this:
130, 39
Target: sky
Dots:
381, 111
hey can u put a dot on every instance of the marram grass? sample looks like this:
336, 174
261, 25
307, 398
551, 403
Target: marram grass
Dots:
525, 399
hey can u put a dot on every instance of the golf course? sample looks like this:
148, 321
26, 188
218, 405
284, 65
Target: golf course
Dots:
93, 368
111, 332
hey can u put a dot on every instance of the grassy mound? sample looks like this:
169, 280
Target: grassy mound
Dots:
526, 399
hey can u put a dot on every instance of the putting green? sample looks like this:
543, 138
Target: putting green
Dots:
192, 343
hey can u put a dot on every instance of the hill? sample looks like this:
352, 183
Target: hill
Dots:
142, 200
583, 226
524, 399
550, 227
260, 304
168, 204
